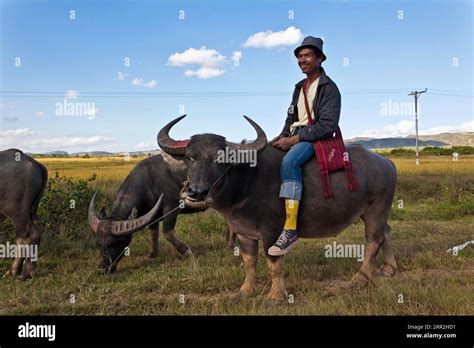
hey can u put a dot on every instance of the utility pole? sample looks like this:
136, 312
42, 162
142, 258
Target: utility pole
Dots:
416, 94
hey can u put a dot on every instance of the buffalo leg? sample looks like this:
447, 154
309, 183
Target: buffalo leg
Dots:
21, 230
18, 262
155, 236
374, 236
249, 249
33, 240
389, 267
168, 229
28, 235
17, 265
275, 265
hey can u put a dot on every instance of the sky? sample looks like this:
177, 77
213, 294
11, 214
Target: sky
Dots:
107, 75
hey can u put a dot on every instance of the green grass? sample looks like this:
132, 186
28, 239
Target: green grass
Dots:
437, 214
431, 280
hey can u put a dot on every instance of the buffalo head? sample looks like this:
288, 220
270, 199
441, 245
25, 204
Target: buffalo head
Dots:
113, 236
208, 158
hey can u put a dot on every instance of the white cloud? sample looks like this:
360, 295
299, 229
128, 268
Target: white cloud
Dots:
121, 76
402, 128
407, 127
71, 94
464, 127
141, 82
236, 56
204, 73
28, 140
270, 39
137, 81
20, 132
208, 58
209, 62
39, 113
70, 141
151, 84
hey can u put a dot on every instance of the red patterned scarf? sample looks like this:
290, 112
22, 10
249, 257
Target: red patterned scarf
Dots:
331, 155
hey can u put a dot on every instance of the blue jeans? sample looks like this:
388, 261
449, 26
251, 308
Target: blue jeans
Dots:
291, 177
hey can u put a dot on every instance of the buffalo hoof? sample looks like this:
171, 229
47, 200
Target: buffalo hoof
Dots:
276, 297
153, 254
187, 253
386, 271
246, 292
383, 274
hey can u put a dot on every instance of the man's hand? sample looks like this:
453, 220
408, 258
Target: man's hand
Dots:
278, 137
286, 143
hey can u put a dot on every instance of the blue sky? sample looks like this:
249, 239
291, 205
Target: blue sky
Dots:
378, 51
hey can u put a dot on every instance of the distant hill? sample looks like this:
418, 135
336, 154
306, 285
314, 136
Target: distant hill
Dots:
444, 139
453, 139
93, 154
394, 143
56, 153
141, 153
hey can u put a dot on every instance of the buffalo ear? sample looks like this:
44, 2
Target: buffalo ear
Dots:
133, 214
102, 214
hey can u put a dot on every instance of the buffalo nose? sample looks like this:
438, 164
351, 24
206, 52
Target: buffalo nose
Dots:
196, 191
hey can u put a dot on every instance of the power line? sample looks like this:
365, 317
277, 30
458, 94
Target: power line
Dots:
416, 94
450, 91
55, 94
208, 92
453, 95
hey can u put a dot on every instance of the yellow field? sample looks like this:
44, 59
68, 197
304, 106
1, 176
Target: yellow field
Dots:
117, 168
106, 168
435, 165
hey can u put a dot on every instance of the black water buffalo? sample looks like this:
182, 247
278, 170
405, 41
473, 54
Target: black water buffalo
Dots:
248, 197
22, 182
138, 194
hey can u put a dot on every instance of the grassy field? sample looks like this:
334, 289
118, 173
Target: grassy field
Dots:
433, 211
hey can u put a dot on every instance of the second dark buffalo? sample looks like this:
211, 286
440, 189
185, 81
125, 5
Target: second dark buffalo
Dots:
22, 182
135, 207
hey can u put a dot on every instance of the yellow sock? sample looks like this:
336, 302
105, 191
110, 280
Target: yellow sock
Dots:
291, 206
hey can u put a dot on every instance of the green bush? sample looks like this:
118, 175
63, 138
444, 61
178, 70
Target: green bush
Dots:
62, 212
61, 215
402, 152
436, 197
446, 210
441, 151
429, 150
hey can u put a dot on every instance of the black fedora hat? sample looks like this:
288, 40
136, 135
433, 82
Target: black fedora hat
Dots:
311, 42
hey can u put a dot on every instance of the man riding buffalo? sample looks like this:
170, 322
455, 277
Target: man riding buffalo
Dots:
313, 115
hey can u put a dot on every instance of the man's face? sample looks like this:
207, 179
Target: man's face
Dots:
308, 61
